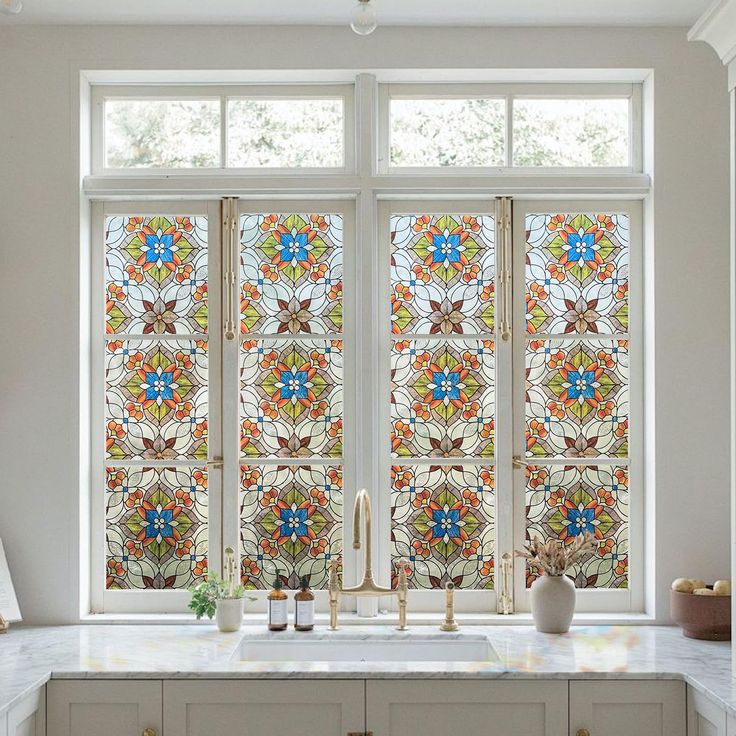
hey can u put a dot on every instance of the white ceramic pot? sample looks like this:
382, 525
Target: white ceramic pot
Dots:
229, 614
553, 603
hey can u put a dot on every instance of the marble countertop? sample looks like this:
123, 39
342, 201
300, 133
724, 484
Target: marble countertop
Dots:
30, 656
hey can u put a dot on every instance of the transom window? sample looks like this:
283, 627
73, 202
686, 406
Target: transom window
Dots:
470, 355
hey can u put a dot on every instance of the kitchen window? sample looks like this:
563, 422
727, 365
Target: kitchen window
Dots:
469, 354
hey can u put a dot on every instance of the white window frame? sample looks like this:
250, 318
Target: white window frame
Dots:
509, 93
100, 94
368, 189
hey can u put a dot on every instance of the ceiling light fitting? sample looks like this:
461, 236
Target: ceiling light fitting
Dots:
363, 19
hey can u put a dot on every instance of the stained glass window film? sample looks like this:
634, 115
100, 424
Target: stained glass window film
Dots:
291, 273
291, 519
293, 133
571, 132
442, 274
156, 527
442, 523
156, 275
151, 133
563, 502
442, 398
156, 400
577, 398
448, 132
577, 273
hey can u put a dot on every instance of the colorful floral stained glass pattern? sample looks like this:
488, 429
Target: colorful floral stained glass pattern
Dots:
564, 502
577, 401
156, 527
291, 519
156, 399
156, 275
442, 274
442, 523
442, 398
291, 398
577, 273
291, 273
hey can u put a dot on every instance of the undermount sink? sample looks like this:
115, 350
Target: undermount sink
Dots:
374, 648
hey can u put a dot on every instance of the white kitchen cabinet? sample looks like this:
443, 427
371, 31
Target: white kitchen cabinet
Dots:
630, 707
28, 718
704, 717
256, 707
3, 724
104, 707
468, 707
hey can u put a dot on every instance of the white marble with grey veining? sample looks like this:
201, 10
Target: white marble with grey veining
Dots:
29, 656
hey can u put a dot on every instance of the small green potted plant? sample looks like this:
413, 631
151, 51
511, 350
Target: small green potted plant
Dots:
222, 598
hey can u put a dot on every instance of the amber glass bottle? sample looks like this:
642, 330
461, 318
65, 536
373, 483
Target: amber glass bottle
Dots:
277, 606
304, 606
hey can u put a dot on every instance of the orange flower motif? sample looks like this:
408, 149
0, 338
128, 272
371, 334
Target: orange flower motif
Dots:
184, 497
249, 476
319, 222
270, 497
622, 290
606, 409
403, 293
200, 429
400, 479
201, 568
318, 410
184, 224
606, 497
606, 222
402, 345
318, 497
556, 498
421, 498
249, 569
471, 223
135, 273
471, 498
470, 273
200, 479
335, 477
471, 547
421, 360
115, 429
269, 547
421, 273
421, 223
269, 272
134, 549
487, 568
184, 410
555, 272
487, 430
605, 272
134, 360
536, 476
622, 566
621, 478
319, 271
133, 224
183, 273
537, 290
555, 360
471, 410
116, 479
335, 291
200, 294
335, 429
269, 222
556, 410
622, 429
605, 547
421, 410
556, 222
421, 548
184, 548
114, 568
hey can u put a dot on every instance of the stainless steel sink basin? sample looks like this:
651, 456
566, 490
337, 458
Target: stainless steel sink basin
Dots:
374, 648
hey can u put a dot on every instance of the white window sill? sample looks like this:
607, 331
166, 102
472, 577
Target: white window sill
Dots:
351, 619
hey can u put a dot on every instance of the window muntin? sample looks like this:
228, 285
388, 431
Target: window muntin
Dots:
286, 133
161, 133
556, 132
447, 132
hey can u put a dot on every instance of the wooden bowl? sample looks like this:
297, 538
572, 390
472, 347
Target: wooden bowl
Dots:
702, 616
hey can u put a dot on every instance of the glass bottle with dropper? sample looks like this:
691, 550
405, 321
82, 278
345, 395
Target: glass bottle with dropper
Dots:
278, 618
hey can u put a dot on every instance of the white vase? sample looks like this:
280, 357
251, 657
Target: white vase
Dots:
553, 603
229, 614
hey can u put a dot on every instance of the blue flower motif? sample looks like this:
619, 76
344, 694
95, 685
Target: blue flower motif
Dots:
446, 385
580, 521
293, 248
158, 523
159, 385
445, 248
294, 522
159, 248
581, 247
445, 523
582, 384
295, 384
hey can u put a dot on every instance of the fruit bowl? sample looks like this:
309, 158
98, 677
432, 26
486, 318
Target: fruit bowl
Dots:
702, 616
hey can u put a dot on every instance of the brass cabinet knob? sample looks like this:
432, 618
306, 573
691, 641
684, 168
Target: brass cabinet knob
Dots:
583, 732
149, 732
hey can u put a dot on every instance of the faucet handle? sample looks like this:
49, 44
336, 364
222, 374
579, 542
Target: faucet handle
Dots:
403, 570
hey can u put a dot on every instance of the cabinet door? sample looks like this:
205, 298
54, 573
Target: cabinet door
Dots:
731, 725
631, 707
704, 717
467, 707
104, 707
3, 724
258, 707
28, 718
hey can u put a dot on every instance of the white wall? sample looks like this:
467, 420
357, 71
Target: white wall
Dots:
40, 283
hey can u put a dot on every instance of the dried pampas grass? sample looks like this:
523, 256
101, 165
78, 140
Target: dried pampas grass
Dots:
554, 558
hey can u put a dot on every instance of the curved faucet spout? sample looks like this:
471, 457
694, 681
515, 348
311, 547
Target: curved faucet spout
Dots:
362, 507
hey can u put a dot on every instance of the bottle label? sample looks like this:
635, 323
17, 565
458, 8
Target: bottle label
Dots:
277, 613
304, 613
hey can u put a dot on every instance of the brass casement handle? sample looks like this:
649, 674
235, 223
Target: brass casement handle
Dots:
229, 239
149, 732
583, 732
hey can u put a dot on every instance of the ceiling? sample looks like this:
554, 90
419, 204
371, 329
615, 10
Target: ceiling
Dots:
390, 12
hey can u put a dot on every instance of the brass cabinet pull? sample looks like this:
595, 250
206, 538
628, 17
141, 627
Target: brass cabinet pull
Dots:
149, 732
583, 732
